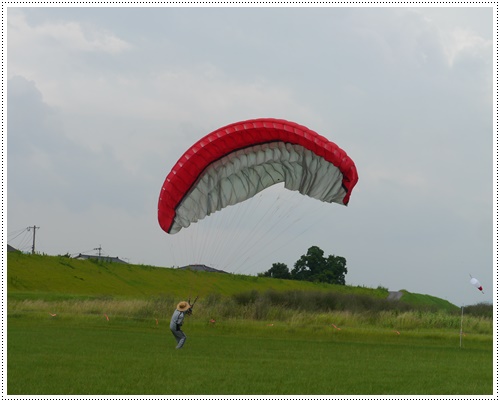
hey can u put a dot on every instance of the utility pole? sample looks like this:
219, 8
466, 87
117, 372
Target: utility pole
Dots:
34, 233
99, 249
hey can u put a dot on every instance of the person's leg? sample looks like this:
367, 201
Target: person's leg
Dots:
177, 337
182, 339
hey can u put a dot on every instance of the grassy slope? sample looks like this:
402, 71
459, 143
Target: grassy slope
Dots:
48, 275
415, 298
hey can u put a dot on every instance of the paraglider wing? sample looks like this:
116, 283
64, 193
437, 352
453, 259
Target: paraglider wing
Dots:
237, 161
476, 283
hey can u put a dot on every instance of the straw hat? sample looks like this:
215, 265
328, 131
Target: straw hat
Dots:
183, 306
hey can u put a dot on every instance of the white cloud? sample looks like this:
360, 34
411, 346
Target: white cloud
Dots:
68, 36
460, 44
462, 35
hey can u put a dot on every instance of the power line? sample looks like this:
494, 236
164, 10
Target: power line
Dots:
23, 244
17, 234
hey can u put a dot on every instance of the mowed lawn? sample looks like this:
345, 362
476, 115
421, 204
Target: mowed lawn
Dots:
88, 355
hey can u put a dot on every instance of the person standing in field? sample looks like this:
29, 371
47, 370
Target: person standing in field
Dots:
176, 322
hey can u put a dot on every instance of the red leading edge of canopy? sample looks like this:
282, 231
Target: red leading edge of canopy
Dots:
223, 141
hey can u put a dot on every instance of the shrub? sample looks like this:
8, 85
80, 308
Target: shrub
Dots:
321, 301
479, 310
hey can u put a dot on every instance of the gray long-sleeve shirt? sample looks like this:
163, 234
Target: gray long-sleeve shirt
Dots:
177, 319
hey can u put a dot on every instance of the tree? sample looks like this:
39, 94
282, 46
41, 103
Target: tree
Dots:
309, 266
338, 267
314, 267
278, 270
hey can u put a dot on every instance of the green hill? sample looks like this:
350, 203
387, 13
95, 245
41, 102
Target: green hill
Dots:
43, 276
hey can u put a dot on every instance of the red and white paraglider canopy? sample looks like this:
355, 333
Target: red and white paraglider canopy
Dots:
235, 162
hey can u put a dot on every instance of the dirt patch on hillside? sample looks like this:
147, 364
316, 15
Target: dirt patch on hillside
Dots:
394, 296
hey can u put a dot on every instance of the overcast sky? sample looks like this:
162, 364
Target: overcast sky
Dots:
103, 101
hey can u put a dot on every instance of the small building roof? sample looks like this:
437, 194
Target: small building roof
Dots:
201, 267
100, 258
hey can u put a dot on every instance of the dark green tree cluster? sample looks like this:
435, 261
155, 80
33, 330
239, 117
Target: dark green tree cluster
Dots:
312, 267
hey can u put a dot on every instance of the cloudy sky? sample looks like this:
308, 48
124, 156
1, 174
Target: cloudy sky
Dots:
103, 101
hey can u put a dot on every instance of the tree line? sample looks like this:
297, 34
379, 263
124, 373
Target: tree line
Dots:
313, 267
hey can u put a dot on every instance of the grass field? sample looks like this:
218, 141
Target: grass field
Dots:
88, 355
86, 328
